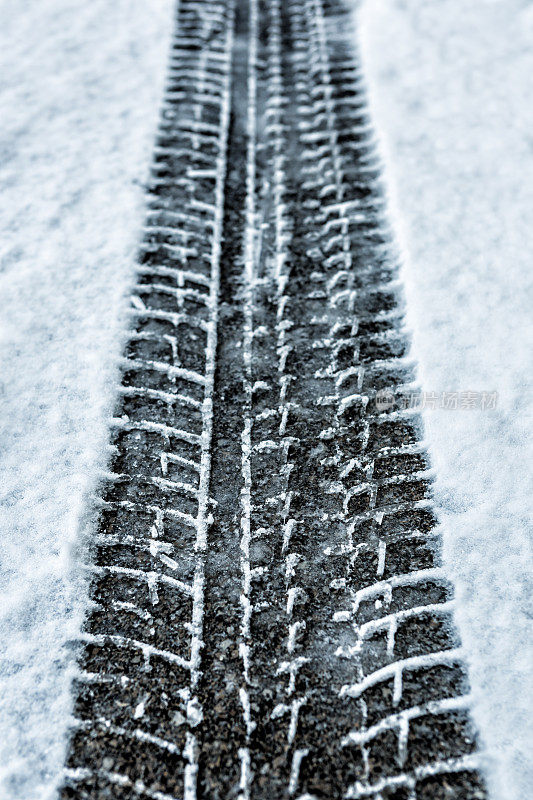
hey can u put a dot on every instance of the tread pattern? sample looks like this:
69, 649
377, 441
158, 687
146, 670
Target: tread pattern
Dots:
269, 618
144, 632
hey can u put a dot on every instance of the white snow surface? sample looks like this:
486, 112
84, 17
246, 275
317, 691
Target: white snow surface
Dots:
80, 87
450, 90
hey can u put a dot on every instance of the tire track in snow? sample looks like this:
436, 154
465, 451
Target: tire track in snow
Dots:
270, 619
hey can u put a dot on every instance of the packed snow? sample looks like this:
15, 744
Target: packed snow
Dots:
81, 84
450, 90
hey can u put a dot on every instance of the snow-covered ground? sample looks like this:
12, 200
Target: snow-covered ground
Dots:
81, 83
80, 88
450, 86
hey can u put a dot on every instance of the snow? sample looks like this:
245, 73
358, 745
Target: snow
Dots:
450, 93
81, 86
80, 92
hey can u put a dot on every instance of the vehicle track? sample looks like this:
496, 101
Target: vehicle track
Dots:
269, 618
